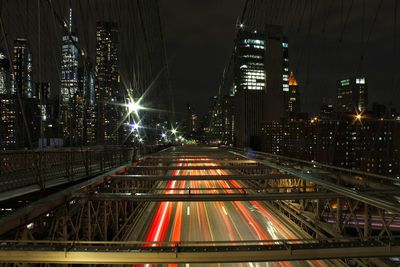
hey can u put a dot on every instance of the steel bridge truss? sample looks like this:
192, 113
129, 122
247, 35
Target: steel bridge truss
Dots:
195, 252
90, 222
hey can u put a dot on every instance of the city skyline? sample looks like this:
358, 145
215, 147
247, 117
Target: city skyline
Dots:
185, 132
81, 112
318, 80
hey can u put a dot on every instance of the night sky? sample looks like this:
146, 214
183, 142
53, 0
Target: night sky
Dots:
328, 41
200, 39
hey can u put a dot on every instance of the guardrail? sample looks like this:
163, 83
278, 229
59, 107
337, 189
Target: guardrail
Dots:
36, 170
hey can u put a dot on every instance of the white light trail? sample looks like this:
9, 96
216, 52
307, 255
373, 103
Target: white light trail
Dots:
223, 208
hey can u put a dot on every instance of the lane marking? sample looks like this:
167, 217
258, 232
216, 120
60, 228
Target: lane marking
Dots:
223, 208
188, 210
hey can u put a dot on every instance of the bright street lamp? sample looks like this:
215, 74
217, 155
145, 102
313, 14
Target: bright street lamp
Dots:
135, 126
358, 117
133, 106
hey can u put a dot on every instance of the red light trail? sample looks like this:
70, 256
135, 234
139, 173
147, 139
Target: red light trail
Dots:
215, 221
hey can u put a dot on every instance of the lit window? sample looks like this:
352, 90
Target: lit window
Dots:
360, 81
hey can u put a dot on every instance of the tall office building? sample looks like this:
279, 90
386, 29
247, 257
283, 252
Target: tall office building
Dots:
43, 99
4, 74
22, 69
259, 82
22, 87
191, 123
250, 87
7, 107
86, 91
276, 62
228, 118
107, 92
69, 79
45, 106
352, 95
8, 137
293, 104
221, 120
215, 116
285, 72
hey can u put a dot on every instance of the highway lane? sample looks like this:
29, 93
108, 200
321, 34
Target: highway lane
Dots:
216, 221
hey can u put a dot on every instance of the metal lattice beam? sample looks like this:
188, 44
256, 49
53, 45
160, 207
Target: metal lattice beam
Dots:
206, 197
139, 177
198, 254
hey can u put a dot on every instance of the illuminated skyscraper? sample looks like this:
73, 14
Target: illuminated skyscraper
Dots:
285, 71
22, 88
258, 82
4, 74
107, 92
293, 104
7, 107
8, 118
69, 78
250, 87
22, 69
352, 95
86, 89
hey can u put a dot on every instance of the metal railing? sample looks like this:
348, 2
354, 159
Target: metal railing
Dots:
40, 169
314, 164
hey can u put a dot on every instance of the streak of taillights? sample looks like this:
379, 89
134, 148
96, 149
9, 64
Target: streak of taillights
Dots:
271, 218
177, 225
200, 213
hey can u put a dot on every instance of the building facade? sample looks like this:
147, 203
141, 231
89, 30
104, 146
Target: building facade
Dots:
107, 91
260, 64
8, 135
22, 88
5, 85
352, 95
293, 101
22, 69
69, 81
7, 107
371, 145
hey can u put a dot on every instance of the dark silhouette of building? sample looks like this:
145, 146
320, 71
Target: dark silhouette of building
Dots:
191, 122
327, 111
352, 95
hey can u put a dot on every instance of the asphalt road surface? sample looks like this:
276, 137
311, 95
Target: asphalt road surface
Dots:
216, 221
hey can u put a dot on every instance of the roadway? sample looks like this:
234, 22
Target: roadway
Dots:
216, 221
